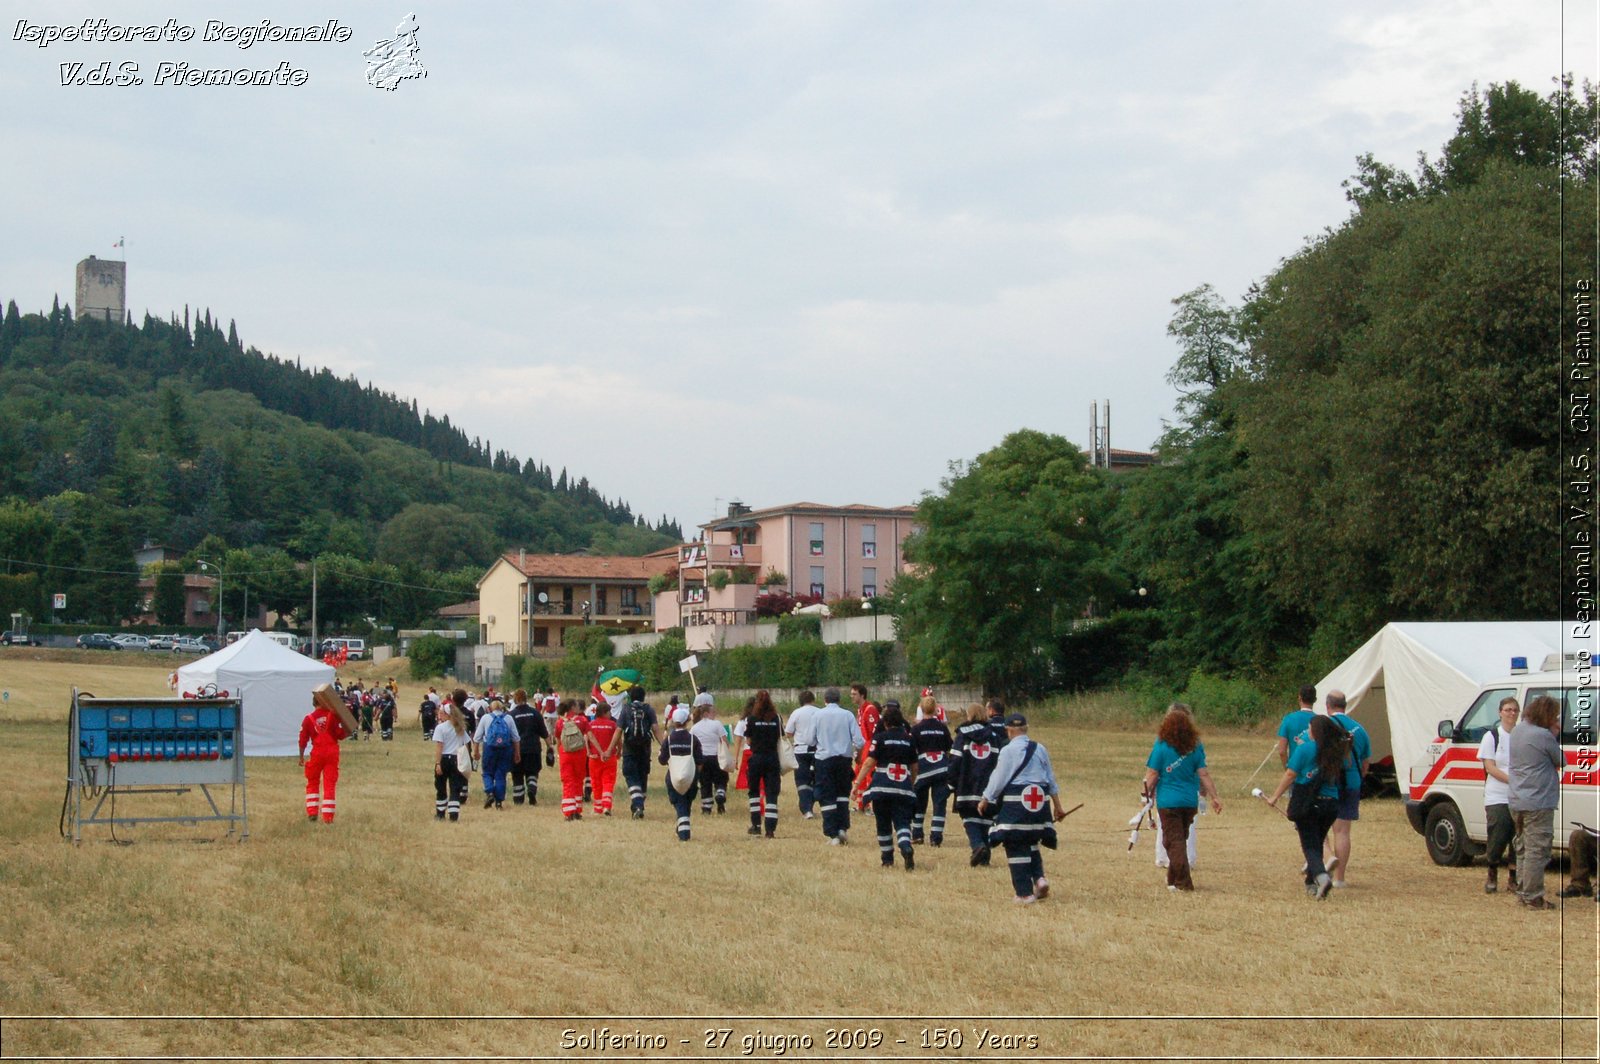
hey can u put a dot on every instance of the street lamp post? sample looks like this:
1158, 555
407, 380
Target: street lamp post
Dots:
206, 564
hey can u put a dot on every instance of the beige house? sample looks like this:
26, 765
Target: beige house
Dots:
828, 551
527, 602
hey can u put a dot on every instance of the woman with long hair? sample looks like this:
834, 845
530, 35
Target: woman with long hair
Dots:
1176, 776
1317, 765
450, 740
762, 730
890, 768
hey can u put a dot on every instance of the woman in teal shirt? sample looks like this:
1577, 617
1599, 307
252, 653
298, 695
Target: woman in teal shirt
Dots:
1321, 762
1176, 775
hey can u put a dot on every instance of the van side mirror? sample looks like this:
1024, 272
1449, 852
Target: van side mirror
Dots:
1447, 729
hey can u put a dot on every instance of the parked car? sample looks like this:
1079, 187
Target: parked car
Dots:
17, 639
189, 645
131, 642
98, 641
160, 642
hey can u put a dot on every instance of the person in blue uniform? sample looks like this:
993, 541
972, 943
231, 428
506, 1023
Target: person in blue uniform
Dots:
976, 750
838, 738
890, 768
1320, 761
680, 742
1025, 800
931, 738
1292, 728
532, 731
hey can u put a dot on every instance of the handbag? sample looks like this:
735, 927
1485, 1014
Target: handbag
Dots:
680, 770
724, 754
1302, 796
464, 759
787, 762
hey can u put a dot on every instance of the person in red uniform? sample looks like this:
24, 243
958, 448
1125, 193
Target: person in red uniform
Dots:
323, 730
867, 721
605, 746
571, 742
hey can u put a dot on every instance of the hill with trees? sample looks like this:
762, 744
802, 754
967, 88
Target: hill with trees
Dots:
172, 432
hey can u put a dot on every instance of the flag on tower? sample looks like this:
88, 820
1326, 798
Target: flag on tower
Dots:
119, 242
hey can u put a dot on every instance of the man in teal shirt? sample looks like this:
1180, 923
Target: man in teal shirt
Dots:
1350, 800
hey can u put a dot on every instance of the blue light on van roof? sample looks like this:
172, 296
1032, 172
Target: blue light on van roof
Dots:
1519, 665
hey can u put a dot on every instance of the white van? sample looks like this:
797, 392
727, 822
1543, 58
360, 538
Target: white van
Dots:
354, 649
1445, 800
284, 639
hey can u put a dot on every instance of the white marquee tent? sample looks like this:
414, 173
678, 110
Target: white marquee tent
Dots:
274, 682
1403, 681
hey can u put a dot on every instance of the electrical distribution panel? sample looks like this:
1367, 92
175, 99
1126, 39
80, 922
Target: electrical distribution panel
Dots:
124, 747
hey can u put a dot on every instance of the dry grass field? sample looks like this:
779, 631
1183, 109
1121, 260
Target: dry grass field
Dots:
409, 938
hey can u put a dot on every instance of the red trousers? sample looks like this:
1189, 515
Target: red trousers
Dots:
602, 778
322, 775
574, 767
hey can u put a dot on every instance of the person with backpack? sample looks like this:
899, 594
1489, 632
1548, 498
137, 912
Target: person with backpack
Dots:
498, 748
640, 733
530, 730
428, 714
680, 752
572, 746
605, 740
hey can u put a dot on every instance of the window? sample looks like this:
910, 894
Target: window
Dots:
1577, 713
869, 582
630, 596
869, 541
817, 581
541, 637
816, 538
1484, 714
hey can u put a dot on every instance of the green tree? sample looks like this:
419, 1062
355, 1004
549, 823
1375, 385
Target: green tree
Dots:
436, 536
1009, 558
169, 597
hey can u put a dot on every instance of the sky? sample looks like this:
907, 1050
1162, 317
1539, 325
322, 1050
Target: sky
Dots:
769, 250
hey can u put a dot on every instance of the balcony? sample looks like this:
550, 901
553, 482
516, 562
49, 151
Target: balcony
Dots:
719, 555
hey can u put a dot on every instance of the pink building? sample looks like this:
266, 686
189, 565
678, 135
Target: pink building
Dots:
831, 552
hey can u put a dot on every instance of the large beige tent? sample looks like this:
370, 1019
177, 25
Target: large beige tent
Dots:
1403, 681
274, 682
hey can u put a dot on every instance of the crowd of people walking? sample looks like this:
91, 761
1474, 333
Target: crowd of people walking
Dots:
911, 774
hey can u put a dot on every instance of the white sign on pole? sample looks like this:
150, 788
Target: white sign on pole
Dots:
688, 663
59, 601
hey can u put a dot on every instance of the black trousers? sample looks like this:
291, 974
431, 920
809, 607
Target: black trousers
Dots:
1313, 830
763, 776
636, 773
833, 794
805, 777
525, 775
713, 781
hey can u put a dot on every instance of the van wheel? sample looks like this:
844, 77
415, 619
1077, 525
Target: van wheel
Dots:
1446, 835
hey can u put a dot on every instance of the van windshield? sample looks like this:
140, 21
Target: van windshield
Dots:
1484, 714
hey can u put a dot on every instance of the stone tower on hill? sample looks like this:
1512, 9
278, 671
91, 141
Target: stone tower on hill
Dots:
102, 289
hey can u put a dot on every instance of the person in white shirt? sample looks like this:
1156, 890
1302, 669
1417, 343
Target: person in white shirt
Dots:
712, 735
1495, 753
802, 728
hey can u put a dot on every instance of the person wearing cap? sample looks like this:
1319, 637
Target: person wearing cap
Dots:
801, 728
976, 749
498, 747
531, 730
681, 743
1016, 795
838, 742
712, 737
639, 733
891, 768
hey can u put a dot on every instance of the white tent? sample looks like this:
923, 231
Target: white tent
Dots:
1403, 681
274, 682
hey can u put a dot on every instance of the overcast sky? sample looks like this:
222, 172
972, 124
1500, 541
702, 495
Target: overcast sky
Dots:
772, 250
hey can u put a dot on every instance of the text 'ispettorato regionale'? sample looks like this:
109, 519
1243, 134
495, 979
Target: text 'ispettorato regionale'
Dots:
176, 72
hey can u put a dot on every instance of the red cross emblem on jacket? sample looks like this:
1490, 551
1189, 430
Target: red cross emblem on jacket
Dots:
1033, 797
897, 772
